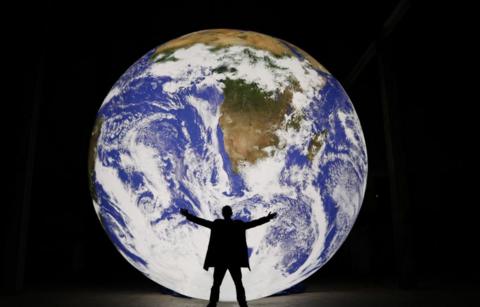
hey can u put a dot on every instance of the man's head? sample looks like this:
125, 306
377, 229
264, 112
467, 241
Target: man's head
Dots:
227, 212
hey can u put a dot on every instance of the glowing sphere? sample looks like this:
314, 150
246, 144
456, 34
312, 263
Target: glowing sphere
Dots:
226, 117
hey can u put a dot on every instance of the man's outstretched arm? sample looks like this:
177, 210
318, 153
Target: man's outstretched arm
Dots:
260, 221
196, 219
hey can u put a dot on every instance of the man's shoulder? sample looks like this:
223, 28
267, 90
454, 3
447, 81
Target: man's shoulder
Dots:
222, 221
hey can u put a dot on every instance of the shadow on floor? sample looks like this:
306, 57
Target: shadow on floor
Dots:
315, 295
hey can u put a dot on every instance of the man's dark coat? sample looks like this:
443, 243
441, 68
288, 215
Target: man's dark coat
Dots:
228, 244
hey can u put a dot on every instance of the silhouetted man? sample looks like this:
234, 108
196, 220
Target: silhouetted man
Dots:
227, 250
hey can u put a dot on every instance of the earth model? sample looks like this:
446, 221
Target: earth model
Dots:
226, 117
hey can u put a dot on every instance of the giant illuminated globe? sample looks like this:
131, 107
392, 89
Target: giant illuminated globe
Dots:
227, 117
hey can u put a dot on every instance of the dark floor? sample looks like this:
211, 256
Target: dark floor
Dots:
333, 295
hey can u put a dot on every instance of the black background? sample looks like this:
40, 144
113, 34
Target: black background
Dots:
65, 59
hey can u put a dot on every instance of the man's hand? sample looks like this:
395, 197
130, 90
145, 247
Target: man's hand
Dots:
272, 215
184, 212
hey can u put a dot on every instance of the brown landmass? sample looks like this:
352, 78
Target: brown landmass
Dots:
249, 118
229, 37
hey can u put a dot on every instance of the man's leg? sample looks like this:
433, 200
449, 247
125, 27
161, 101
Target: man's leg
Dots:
236, 273
218, 274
